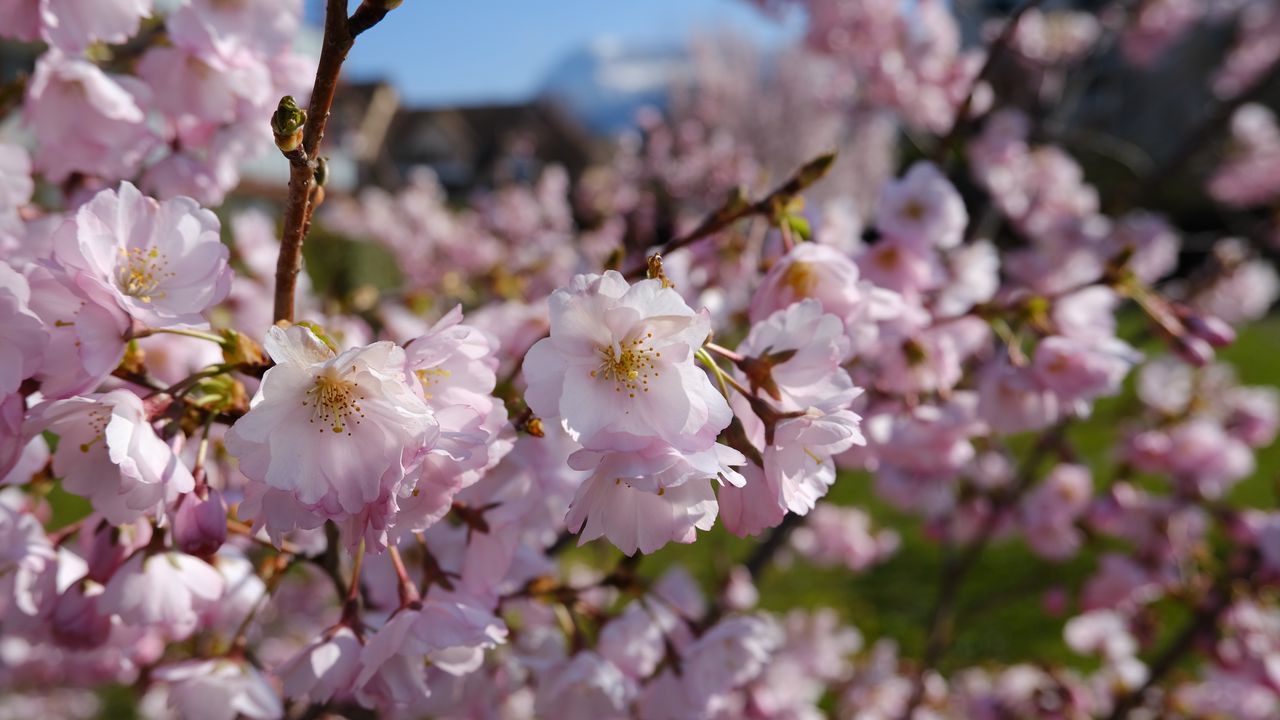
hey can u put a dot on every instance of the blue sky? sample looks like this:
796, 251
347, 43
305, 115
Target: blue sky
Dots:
444, 51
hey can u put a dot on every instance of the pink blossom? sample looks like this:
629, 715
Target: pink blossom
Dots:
812, 375
618, 367
798, 461
22, 334
194, 88
1245, 178
167, 591
200, 524
644, 499
86, 338
219, 689
454, 366
325, 667
336, 431
1256, 50
973, 276
27, 562
1104, 632
752, 508
108, 452
902, 266
1050, 511
587, 687
76, 622
922, 209
1119, 583
1013, 399
824, 274
16, 187
929, 359
1242, 295
1252, 414
842, 536
1082, 371
1153, 242
1156, 26
636, 641
73, 25
229, 31
163, 263
66, 95
729, 655
450, 634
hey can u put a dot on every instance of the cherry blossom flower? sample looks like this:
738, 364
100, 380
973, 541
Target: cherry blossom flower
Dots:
167, 591
22, 334
163, 263
200, 524
219, 689
26, 564
644, 499
66, 95
618, 366
86, 338
108, 452
922, 209
451, 635
325, 667
814, 347
72, 25
820, 272
585, 688
335, 431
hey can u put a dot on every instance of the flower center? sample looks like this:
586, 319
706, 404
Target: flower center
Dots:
913, 210
629, 365
98, 419
801, 278
140, 272
430, 376
334, 401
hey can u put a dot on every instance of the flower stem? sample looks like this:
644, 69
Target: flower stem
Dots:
183, 332
408, 591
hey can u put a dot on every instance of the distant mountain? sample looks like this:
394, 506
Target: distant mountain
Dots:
605, 83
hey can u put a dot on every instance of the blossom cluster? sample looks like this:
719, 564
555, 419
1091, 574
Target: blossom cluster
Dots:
367, 507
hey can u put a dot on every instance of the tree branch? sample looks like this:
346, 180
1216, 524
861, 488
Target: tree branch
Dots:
339, 35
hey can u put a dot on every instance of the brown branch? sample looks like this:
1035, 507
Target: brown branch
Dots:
1205, 623
737, 207
955, 569
339, 35
995, 51
1198, 138
756, 563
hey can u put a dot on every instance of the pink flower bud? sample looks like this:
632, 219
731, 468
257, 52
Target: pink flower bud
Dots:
200, 526
1211, 329
1193, 350
76, 622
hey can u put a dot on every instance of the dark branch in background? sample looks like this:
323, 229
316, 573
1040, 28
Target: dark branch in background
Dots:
1205, 624
995, 51
306, 171
1196, 140
957, 567
738, 207
756, 563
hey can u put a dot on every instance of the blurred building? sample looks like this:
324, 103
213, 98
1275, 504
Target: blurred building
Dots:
468, 148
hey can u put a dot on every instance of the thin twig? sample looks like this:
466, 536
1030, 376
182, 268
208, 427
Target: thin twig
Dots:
955, 569
738, 207
1197, 139
995, 51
